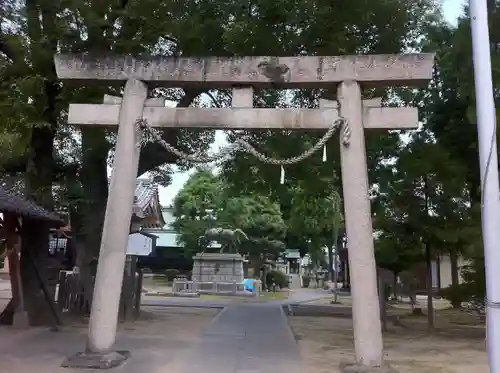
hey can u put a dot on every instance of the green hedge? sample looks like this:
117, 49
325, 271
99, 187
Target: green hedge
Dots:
278, 278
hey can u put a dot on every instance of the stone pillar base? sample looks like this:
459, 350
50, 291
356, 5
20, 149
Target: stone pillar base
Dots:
21, 320
96, 360
358, 368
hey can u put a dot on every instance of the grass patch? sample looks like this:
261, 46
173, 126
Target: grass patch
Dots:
161, 280
215, 297
279, 295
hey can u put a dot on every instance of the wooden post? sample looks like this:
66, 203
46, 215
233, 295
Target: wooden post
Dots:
61, 293
130, 287
138, 292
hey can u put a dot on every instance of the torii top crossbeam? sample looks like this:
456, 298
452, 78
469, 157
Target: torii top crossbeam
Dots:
261, 72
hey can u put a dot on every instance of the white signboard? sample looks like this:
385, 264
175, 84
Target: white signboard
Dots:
292, 254
139, 244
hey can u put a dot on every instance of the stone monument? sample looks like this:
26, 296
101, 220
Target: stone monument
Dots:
217, 267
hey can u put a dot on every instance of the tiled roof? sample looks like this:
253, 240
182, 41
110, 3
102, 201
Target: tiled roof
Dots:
144, 192
15, 203
147, 201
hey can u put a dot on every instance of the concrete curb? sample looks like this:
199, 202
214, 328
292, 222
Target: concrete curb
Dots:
167, 294
287, 320
209, 306
318, 310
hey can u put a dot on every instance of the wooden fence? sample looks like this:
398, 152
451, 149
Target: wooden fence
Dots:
70, 297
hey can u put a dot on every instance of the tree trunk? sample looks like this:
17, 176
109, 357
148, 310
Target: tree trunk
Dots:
454, 276
88, 219
35, 235
35, 250
153, 154
395, 285
94, 179
330, 262
428, 263
430, 303
41, 22
257, 262
382, 298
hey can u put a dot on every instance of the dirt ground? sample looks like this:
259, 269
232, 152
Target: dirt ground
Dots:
457, 346
157, 339
179, 322
3, 303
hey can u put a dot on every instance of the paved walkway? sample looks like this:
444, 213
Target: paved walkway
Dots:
245, 339
249, 338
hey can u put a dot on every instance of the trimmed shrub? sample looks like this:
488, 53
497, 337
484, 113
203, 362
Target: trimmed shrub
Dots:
171, 274
278, 278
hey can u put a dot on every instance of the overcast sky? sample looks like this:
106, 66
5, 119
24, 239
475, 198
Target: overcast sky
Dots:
451, 8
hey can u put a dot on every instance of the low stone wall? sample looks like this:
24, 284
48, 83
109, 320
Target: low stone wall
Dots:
212, 287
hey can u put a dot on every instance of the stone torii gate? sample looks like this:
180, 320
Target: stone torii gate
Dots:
346, 72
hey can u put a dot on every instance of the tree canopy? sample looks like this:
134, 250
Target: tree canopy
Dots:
204, 204
425, 184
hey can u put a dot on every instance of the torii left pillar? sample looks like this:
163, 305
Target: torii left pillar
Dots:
99, 352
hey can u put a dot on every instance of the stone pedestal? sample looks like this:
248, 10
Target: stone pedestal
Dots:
96, 360
357, 368
313, 284
220, 267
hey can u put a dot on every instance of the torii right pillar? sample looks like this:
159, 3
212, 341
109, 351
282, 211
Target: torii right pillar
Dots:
361, 114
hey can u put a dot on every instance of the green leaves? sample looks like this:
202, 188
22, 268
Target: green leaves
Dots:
205, 203
256, 215
423, 200
312, 215
199, 196
306, 211
195, 208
